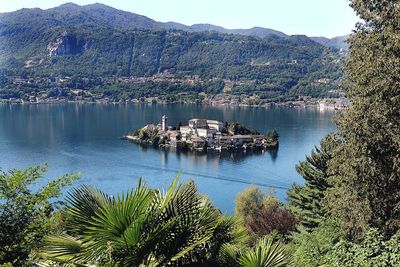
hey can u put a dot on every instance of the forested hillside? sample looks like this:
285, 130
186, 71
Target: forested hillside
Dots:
94, 43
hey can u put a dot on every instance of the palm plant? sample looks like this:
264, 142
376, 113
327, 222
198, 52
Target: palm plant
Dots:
141, 227
265, 253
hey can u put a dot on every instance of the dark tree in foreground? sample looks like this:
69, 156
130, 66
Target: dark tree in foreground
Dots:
366, 161
26, 215
306, 201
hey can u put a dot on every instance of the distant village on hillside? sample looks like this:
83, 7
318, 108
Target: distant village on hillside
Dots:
66, 89
203, 135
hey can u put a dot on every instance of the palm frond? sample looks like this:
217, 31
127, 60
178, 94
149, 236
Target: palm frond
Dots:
140, 227
229, 255
62, 248
82, 204
266, 254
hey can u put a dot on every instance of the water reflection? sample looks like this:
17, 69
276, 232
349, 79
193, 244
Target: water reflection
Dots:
85, 138
208, 157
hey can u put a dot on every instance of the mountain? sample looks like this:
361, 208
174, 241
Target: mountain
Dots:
95, 44
105, 15
127, 20
101, 13
255, 31
259, 32
320, 39
338, 42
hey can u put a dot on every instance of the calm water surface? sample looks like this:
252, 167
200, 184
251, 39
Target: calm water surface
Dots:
85, 138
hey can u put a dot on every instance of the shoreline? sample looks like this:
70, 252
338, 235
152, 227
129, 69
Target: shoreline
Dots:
326, 103
240, 149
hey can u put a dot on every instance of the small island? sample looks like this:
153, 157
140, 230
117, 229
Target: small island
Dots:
203, 135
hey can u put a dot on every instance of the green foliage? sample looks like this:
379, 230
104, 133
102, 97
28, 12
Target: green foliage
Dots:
25, 214
365, 165
237, 128
357, 179
143, 135
306, 201
273, 135
272, 139
313, 249
373, 251
248, 201
142, 226
265, 253
147, 136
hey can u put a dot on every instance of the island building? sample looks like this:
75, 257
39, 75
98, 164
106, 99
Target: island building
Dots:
201, 134
164, 123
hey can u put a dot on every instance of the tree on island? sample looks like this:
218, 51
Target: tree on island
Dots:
235, 128
273, 136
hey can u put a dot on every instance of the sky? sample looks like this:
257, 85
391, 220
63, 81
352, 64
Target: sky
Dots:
327, 18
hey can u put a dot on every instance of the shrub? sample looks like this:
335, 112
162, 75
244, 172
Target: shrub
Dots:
314, 248
272, 217
26, 214
263, 214
373, 251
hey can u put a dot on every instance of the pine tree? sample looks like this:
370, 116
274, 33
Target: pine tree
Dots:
365, 168
305, 201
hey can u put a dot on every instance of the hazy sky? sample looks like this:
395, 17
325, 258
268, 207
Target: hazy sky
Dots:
311, 17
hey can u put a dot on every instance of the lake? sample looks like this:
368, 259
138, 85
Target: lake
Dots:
85, 138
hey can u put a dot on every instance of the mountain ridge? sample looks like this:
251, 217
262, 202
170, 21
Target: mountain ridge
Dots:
144, 22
